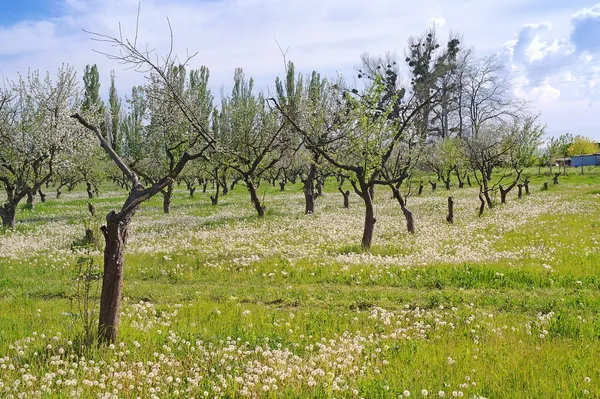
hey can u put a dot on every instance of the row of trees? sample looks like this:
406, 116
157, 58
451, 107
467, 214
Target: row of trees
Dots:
447, 111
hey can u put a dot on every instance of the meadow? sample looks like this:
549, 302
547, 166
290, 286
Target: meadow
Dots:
219, 303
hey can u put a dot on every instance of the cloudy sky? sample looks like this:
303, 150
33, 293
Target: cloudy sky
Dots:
551, 48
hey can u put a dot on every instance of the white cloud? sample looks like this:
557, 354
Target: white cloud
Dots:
327, 36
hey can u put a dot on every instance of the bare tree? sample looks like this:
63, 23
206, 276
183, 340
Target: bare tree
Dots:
116, 229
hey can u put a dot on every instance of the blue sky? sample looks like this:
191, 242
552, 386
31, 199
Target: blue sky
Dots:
532, 37
14, 11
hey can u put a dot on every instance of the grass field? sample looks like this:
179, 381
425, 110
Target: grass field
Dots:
220, 303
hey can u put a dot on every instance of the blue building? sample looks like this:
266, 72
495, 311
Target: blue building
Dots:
585, 160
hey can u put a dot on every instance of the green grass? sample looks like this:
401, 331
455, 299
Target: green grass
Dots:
507, 305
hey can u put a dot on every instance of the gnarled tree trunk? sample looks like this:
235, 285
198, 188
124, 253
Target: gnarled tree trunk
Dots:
167, 198
346, 195
88, 188
260, 209
370, 220
30, 199
8, 213
482, 206
408, 215
115, 236
450, 217
308, 189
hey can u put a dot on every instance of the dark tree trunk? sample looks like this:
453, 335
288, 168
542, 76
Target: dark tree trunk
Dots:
420, 188
214, 200
42, 196
520, 192
555, 178
503, 193
308, 189
482, 206
192, 190
408, 215
254, 198
30, 199
225, 188
370, 220
433, 186
58, 193
282, 185
8, 213
526, 185
115, 236
346, 195
320, 187
450, 217
88, 188
410, 220
488, 199
233, 183
469, 181
545, 186
461, 182
167, 197
204, 184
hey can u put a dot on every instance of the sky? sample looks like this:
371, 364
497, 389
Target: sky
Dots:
550, 48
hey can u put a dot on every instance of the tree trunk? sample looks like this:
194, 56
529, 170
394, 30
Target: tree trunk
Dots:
450, 217
370, 220
461, 182
254, 197
555, 178
42, 196
410, 220
167, 197
8, 213
408, 215
420, 189
89, 190
215, 200
30, 199
282, 185
520, 193
192, 190
503, 193
320, 187
58, 193
433, 186
526, 185
488, 199
115, 236
469, 181
233, 183
308, 189
204, 184
482, 206
545, 187
346, 195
